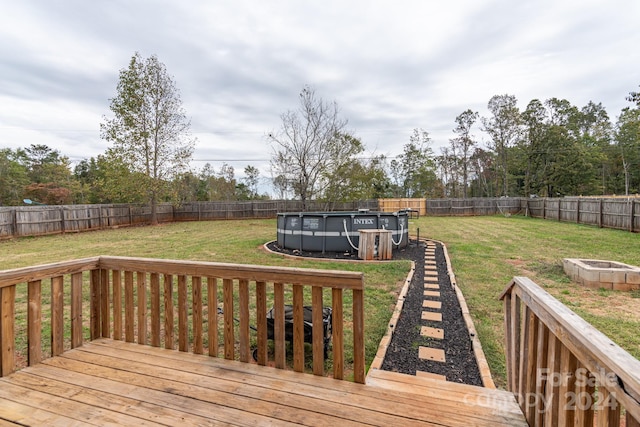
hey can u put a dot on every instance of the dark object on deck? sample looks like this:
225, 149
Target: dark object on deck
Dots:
308, 326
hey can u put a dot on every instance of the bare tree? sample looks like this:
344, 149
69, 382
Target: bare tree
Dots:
311, 146
149, 129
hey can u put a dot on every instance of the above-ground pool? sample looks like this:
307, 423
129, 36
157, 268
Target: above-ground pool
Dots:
338, 231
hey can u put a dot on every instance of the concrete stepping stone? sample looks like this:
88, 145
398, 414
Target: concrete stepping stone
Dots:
434, 294
430, 375
427, 331
437, 305
431, 286
428, 353
432, 315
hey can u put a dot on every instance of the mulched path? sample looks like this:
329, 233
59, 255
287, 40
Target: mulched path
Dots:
402, 353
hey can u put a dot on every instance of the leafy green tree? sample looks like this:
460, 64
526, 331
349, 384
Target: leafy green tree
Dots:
251, 180
504, 129
149, 129
416, 167
311, 146
627, 140
13, 176
463, 144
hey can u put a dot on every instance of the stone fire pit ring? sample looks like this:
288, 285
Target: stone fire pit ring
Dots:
597, 274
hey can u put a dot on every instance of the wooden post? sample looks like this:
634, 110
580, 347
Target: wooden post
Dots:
632, 214
62, 219
600, 214
14, 222
544, 208
578, 212
7, 330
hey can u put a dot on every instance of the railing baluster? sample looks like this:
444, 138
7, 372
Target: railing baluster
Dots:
318, 331
515, 341
104, 304
34, 322
168, 311
278, 325
128, 307
212, 318
630, 421
540, 385
552, 392
358, 337
261, 322
116, 284
7, 328
508, 342
584, 400
609, 408
154, 295
141, 282
196, 292
183, 326
76, 310
337, 333
57, 315
95, 306
568, 365
244, 320
298, 328
229, 339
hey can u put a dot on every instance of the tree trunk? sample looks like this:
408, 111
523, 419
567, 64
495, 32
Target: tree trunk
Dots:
154, 210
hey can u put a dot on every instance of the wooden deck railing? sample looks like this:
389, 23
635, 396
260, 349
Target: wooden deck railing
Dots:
561, 369
191, 306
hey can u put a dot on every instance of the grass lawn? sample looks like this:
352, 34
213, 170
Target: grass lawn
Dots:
486, 252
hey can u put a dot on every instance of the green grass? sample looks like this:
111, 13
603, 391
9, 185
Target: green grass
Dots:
219, 241
487, 252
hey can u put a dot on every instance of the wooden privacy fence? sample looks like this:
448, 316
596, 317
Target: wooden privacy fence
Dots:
561, 369
175, 304
619, 213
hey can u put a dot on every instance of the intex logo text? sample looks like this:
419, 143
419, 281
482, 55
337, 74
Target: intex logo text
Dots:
363, 221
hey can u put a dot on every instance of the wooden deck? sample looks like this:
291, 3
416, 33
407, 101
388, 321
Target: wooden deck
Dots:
107, 382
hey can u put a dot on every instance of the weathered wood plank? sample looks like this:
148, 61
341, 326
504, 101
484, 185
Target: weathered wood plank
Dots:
298, 328
141, 286
129, 310
358, 339
154, 296
168, 310
196, 303
116, 285
278, 325
105, 323
311, 277
76, 310
94, 304
183, 319
45, 271
337, 337
7, 328
243, 327
229, 339
261, 315
34, 322
212, 318
318, 331
57, 315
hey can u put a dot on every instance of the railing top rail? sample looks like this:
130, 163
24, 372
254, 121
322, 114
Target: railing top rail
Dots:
38, 272
591, 347
313, 277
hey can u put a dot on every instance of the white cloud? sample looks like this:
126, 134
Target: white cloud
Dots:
391, 65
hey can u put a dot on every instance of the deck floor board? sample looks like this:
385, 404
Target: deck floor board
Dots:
108, 382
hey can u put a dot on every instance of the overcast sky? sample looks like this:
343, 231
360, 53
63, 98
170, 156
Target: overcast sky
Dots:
391, 66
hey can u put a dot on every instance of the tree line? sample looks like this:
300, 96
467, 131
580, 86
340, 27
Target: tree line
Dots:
551, 148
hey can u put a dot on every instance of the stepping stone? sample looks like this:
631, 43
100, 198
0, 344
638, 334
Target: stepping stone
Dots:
431, 286
434, 294
433, 263
427, 353
431, 304
430, 274
431, 268
430, 332
432, 315
430, 375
